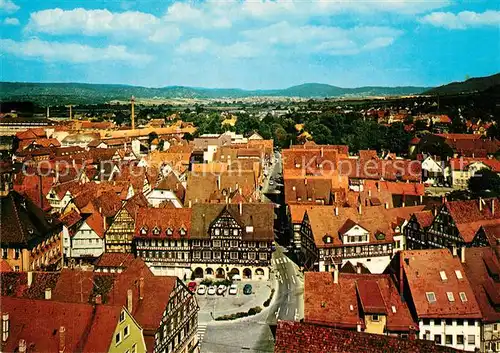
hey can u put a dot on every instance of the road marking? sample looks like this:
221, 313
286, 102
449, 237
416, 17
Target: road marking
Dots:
296, 316
288, 285
286, 313
293, 280
201, 331
286, 275
278, 313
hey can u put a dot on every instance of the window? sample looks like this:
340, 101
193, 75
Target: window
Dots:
169, 231
16, 268
437, 339
450, 296
217, 254
126, 331
206, 254
443, 275
183, 231
217, 231
375, 318
471, 339
458, 274
234, 243
118, 338
226, 231
196, 254
460, 339
235, 232
437, 322
463, 297
134, 348
431, 297
122, 316
448, 339
263, 256
449, 322
196, 243
328, 240
216, 243
4, 253
251, 256
144, 230
460, 322
473, 323
206, 243
427, 322
156, 231
234, 255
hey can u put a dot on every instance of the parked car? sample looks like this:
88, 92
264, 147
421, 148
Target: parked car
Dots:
211, 290
192, 287
271, 182
233, 289
202, 289
221, 289
247, 289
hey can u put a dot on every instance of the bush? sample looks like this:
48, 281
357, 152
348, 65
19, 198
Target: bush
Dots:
226, 282
250, 312
253, 311
207, 282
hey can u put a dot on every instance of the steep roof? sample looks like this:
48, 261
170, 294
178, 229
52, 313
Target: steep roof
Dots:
260, 216
162, 219
38, 322
120, 260
329, 303
299, 337
23, 223
439, 272
482, 268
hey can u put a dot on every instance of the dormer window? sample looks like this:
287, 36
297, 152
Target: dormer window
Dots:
169, 231
328, 239
182, 231
431, 297
144, 230
156, 231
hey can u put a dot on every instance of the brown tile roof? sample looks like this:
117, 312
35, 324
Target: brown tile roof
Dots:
469, 217
298, 337
492, 233
424, 218
422, 269
464, 163
172, 183
399, 169
199, 188
329, 304
375, 219
117, 260
5, 267
73, 286
308, 190
24, 224
38, 323
482, 268
258, 215
151, 220
134, 203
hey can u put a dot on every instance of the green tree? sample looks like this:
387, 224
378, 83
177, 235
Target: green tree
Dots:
485, 183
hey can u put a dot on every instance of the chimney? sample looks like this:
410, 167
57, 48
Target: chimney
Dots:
421, 199
369, 192
462, 254
141, 288
336, 276
387, 205
240, 206
358, 327
22, 346
190, 204
336, 211
480, 204
378, 186
132, 115
493, 206
62, 339
30, 278
98, 299
305, 181
358, 268
321, 151
360, 209
48, 293
218, 181
129, 301
5, 326
454, 250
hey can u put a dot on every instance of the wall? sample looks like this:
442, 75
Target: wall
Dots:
155, 197
454, 330
135, 336
86, 242
375, 326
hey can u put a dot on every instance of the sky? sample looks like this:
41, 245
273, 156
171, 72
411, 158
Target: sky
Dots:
249, 44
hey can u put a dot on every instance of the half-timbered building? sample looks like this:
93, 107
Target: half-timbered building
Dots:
120, 234
232, 239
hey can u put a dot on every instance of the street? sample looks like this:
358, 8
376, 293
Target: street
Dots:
253, 334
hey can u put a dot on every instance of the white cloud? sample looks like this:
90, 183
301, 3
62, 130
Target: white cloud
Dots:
8, 6
208, 15
324, 39
462, 20
240, 50
11, 21
70, 52
194, 46
102, 23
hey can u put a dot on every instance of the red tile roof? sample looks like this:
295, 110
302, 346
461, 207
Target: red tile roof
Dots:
38, 323
330, 304
424, 218
161, 220
464, 163
482, 268
116, 260
297, 337
5, 267
423, 269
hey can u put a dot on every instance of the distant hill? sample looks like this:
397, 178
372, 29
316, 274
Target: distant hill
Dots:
64, 93
476, 84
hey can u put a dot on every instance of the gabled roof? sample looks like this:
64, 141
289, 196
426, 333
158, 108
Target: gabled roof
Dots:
424, 218
24, 224
482, 268
161, 220
260, 216
423, 270
117, 260
87, 329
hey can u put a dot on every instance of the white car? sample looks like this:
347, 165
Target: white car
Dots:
221, 290
211, 290
233, 289
202, 289
271, 182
